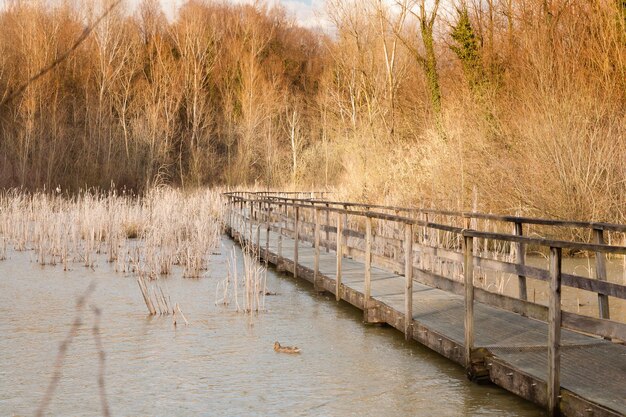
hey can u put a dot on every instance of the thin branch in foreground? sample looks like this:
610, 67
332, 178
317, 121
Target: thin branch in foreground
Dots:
58, 365
101, 361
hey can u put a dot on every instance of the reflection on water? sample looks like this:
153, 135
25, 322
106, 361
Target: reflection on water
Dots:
224, 362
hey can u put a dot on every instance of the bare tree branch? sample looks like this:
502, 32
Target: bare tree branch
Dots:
106, 412
61, 57
58, 365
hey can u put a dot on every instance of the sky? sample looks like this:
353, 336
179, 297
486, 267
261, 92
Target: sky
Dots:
303, 10
306, 12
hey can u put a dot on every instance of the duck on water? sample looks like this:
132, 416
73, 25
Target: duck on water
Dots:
285, 349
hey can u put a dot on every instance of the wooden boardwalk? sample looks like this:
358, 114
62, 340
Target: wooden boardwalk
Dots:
509, 349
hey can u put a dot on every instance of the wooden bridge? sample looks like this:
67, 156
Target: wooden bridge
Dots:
424, 272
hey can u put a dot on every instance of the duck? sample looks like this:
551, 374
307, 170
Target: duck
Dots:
285, 349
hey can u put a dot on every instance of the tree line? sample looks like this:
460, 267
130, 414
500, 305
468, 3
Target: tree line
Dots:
504, 105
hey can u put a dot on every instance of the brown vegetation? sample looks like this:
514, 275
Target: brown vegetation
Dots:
516, 104
172, 227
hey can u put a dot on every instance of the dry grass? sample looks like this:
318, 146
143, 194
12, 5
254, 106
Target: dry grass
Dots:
245, 288
146, 236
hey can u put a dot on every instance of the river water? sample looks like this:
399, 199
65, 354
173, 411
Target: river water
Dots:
223, 363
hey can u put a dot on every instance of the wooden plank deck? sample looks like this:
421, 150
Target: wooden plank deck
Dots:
593, 370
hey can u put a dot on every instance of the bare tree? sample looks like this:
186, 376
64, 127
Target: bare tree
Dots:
426, 19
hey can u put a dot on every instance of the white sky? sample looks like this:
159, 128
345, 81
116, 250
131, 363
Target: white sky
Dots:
303, 10
306, 12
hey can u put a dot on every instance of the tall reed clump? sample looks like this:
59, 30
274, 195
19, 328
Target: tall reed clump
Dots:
175, 228
143, 235
245, 285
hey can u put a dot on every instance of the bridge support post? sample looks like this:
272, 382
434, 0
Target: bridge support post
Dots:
279, 261
251, 208
521, 260
258, 238
345, 219
316, 264
339, 257
327, 226
230, 213
371, 314
408, 274
268, 226
554, 333
368, 263
295, 245
238, 219
468, 274
603, 300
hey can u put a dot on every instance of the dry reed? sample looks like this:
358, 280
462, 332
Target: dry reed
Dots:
248, 284
146, 236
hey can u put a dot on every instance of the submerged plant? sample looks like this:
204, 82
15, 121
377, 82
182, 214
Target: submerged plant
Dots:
248, 285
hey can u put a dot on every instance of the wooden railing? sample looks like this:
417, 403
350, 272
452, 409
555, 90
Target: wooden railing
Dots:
403, 234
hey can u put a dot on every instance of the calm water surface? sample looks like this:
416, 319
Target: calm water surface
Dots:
223, 363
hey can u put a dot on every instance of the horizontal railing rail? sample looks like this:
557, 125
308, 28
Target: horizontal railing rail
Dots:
459, 214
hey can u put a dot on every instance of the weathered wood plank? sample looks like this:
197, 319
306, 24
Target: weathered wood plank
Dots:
603, 300
326, 226
316, 268
408, 276
554, 332
468, 273
591, 325
521, 260
339, 258
561, 244
368, 260
296, 244
495, 217
575, 281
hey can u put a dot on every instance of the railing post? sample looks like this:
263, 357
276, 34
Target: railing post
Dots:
345, 222
408, 274
339, 257
286, 210
603, 300
251, 209
521, 260
428, 259
258, 238
396, 248
280, 235
233, 218
316, 266
296, 238
230, 213
468, 275
240, 220
268, 222
327, 226
368, 262
554, 333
